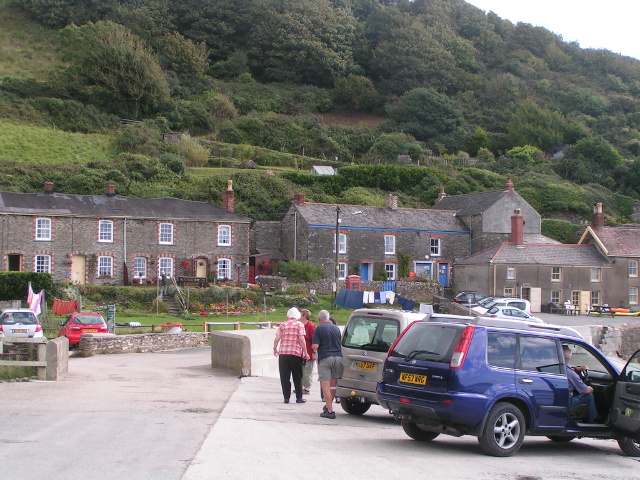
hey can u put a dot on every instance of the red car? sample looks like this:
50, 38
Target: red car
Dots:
80, 323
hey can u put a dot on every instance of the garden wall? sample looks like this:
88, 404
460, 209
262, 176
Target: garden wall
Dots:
92, 344
416, 291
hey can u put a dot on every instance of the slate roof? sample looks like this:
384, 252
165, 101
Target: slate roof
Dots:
538, 254
470, 203
620, 241
104, 206
381, 218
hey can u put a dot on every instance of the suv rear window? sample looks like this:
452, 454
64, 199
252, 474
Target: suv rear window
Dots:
428, 342
371, 333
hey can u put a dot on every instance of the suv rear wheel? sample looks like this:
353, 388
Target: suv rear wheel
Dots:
415, 432
503, 432
629, 447
354, 408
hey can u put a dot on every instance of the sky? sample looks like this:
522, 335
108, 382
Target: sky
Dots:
609, 24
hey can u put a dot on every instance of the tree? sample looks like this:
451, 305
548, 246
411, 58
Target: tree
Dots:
356, 93
532, 125
480, 140
425, 114
184, 56
109, 65
301, 41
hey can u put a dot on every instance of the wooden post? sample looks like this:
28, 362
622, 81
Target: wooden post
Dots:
41, 356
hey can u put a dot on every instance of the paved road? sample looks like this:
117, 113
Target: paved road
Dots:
136, 416
169, 416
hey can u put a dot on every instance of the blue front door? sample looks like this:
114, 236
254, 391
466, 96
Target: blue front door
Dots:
365, 271
443, 274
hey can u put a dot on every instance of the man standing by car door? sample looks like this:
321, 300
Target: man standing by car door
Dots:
327, 345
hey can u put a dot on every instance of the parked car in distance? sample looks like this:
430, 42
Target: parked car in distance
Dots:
520, 303
80, 323
511, 313
466, 298
365, 343
19, 323
500, 380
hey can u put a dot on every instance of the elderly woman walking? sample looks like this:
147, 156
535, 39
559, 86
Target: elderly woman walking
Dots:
292, 352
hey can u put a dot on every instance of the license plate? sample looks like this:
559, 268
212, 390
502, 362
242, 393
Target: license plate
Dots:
90, 330
365, 365
413, 378
20, 330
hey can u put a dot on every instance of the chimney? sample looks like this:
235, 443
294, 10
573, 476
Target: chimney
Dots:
298, 198
227, 197
517, 227
48, 187
597, 220
111, 190
392, 202
509, 186
441, 195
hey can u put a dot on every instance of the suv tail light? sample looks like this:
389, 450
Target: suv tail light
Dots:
0, 327
460, 352
38, 327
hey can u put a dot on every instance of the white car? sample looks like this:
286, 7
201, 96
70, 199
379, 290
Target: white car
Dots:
520, 303
19, 323
511, 313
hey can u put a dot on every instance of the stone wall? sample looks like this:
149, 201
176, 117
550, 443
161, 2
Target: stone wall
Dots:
92, 344
416, 291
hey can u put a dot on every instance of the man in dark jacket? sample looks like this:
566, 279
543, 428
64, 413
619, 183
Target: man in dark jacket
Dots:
326, 343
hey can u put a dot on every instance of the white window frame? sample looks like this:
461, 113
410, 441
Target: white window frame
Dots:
556, 295
595, 297
390, 269
633, 295
165, 233
342, 243
224, 268
140, 267
633, 268
509, 292
165, 264
105, 266
511, 273
434, 247
224, 235
43, 229
596, 274
556, 276
105, 231
342, 270
42, 264
389, 244
575, 298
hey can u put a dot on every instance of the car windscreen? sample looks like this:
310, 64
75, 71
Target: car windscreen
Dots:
88, 320
371, 333
21, 318
430, 342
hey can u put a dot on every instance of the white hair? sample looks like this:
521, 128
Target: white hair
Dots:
294, 313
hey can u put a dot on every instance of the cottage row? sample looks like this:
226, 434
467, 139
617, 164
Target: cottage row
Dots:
491, 240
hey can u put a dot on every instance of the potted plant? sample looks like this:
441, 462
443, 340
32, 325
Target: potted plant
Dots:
264, 265
136, 281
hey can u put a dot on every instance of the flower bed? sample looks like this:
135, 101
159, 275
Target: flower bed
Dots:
243, 306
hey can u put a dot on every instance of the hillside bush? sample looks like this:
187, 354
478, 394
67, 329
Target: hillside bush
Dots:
14, 285
560, 230
298, 271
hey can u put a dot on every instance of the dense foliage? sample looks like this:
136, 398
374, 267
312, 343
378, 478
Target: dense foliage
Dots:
255, 78
14, 285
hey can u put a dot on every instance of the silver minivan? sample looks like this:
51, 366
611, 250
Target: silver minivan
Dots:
366, 340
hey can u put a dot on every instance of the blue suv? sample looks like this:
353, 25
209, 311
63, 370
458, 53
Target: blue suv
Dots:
500, 380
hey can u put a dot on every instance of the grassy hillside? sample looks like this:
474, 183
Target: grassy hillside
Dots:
27, 143
25, 46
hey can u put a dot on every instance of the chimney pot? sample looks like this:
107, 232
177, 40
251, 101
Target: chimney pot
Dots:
48, 187
441, 195
597, 220
509, 186
111, 190
299, 198
228, 197
517, 227
392, 202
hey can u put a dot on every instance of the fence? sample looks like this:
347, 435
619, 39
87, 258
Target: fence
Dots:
41, 354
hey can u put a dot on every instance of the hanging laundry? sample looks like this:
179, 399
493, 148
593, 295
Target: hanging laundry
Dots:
30, 294
383, 297
376, 297
350, 299
64, 308
34, 306
391, 297
405, 303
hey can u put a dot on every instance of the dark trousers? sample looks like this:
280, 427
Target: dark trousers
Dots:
290, 366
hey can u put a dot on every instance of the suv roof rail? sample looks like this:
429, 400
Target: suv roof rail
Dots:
506, 323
